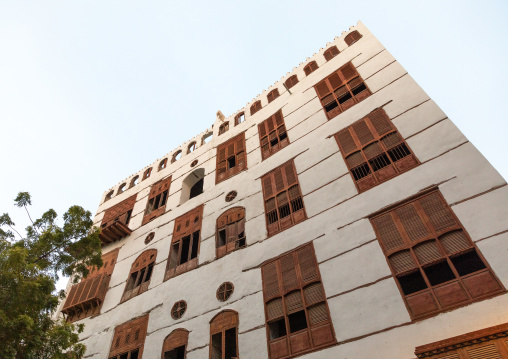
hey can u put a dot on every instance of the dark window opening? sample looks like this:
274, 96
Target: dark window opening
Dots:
361, 171
173, 262
272, 217
149, 273
412, 283
331, 106
124, 356
164, 198
379, 162
128, 219
359, 89
274, 140
277, 328
283, 135
195, 243
241, 242
197, 188
157, 201
134, 354
345, 98
185, 249
468, 263
439, 273
140, 277
297, 321
222, 238
399, 152
216, 346
178, 353
230, 341
284, 210
231, 162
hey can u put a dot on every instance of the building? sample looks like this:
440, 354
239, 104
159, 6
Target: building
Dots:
340, 214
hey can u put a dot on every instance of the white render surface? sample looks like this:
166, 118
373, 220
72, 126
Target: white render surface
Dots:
368, 312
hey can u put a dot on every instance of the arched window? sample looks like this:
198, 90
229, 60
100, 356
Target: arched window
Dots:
176, 156
256, 106
147, 173
310, 68
224, 335
175, 344
192, 185
331, 53
206, 138
140, 274
230, 231
191, 147
109, 195
272, 95
239, 118
290, 82
134, 181
129, 339
224, 128
163, 164
121, 188
352, 37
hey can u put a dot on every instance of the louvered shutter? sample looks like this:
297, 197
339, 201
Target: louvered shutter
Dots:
314, 293
331, 53
412, 223
307, 264
438, 213
289, 278
346, 141
240, 152
402, 261
310, 68
380, 121
221, 163
352, 37
427, 252
274, 309
388, 234
363, 132
484, 352
271, 287
348, 72
455, 242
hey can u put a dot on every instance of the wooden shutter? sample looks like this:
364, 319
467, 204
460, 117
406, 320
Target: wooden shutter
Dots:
270, 129
290, 82
331, 53
256, 106
310, 68
273, 95
142, 262
233, 223
352, 37
233, 147
157, 189
177, 338
118, 211
129, 336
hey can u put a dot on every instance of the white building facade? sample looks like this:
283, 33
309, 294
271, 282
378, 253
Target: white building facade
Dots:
340, 214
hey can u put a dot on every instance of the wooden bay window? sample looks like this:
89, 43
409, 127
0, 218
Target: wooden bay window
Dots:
114, 225
272, 135
283, 199
432, 258
341, 90
296, 311
231, 158
374, 150
183, 255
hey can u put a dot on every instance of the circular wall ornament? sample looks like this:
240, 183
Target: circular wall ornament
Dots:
224, 291
178, 309
193, 163
149, 238
231, 196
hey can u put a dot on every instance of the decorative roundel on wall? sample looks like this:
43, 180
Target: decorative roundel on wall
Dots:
178, 309
149, 238
193, 163
231, 196
224, 291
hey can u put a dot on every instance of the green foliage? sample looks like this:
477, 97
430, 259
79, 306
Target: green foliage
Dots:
29, 267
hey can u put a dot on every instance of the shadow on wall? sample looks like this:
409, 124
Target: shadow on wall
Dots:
192, 185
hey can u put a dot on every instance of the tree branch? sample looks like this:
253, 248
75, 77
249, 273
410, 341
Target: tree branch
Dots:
33, 225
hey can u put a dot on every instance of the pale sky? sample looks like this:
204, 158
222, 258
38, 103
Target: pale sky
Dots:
93, 91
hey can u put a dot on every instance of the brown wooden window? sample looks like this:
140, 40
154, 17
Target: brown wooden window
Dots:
147, 173
290, 82
183, 255
272, 135
175, 344
114, 225
283, 198
331, 53
224, 335
310, 68
488, 343
239, 118
374, 150
157, 200
230, 231
163, 164
434, 262
129, 339
341, 90
256, 106
352, 37
224, 128
296, 310
272, 95
86, 297
231, 158
140, 274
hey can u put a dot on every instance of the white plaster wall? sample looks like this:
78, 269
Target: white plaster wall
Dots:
362, 296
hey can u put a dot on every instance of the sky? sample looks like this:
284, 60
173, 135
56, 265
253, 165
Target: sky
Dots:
93, 91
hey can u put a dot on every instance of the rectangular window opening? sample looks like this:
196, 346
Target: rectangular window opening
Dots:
149, 272
164, 198
284, 211
195, 244
134, 354
468, 263
150, 206
412, 282
230, 339
177, 353
185, 249
346, 97
297, 321
231, 162
132, 280
439, 273
329, 107
140, 277
217, 346
379, 162
173, 261
222, 237
359, 89
157, 202
277, 328
283, 136
361, 171
128, 218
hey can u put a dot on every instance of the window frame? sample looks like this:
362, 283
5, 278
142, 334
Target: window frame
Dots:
160, 188
163, 164
432, 299
174, 340
352, 37
309, 68
238, 117
276, 126
272, 95
147, 174
349, 81
143, 267
185, 225
331, 52
234, 147
282, 277
273, 189
223, 128
232, 222
369, 132
219, 324
122, 334
255, 107
291, 81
